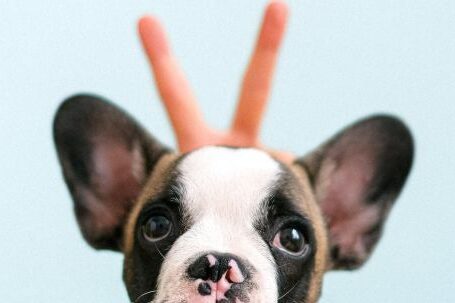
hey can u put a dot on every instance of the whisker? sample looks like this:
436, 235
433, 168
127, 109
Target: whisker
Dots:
287, 293
144, 294
159, 251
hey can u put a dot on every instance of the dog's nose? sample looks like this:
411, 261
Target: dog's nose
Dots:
218, 272
214, 266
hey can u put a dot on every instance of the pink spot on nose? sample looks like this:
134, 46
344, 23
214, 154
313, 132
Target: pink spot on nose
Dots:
212, 260
234, 274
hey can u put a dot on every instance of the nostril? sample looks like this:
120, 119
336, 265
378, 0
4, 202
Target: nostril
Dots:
204, 289
228, 275
200, 269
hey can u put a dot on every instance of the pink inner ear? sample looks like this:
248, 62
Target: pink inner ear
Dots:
342, 195
117, 181
118, 169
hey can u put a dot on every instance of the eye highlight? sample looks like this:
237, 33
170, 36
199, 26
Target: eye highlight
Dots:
156, 228
291, 241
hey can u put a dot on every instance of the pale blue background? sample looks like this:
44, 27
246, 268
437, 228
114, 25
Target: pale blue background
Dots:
341, 60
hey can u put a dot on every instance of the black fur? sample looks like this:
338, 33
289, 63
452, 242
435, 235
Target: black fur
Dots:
294, 273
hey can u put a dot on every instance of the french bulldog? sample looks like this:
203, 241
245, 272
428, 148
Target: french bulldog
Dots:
226, 224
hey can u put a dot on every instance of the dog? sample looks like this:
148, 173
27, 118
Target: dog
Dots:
226, 224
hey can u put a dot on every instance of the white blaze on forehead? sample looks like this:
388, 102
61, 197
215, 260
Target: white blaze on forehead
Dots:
227, 183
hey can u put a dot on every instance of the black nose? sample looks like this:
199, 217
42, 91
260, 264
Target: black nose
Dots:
213, 266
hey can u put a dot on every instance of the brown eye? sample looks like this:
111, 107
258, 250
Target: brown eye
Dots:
156, 228
291, 241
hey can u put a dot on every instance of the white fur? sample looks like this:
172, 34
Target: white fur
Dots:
223, 191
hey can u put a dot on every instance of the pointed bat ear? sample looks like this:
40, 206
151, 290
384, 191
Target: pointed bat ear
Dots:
106, 157
356, 176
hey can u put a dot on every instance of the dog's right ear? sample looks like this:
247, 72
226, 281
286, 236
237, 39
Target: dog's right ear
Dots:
356, 177
106, 157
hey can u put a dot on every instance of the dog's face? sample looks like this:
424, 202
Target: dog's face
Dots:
224, 224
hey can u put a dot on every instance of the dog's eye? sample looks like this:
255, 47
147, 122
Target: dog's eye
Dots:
156, 228
290, 240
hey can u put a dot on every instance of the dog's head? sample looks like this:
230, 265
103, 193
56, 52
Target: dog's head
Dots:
222, 224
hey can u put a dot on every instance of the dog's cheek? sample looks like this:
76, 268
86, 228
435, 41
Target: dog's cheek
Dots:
294, 278
140, 275
142, 267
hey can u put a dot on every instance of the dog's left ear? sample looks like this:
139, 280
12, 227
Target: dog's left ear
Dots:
356, 176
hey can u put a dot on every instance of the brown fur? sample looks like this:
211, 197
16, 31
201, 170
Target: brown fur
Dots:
153, 186
307, 199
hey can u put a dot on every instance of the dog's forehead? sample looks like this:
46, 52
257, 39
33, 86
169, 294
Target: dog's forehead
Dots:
227, 180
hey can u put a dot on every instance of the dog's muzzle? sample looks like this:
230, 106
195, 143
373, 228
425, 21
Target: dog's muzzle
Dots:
220, 278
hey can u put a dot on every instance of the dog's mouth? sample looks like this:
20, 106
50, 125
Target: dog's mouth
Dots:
148, 297
207, 293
